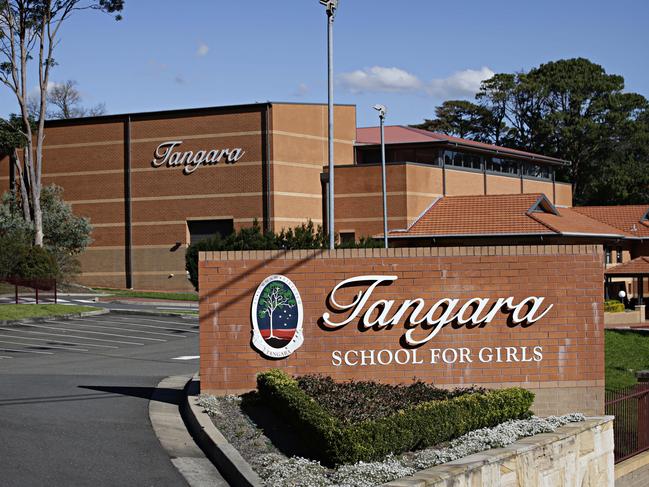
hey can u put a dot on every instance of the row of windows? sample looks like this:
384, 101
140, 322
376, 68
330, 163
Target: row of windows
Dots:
496, 164
458, 159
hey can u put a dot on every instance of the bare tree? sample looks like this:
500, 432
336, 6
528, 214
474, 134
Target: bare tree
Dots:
29, 30
67, 101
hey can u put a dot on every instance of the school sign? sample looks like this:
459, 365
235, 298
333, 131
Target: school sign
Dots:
493, 316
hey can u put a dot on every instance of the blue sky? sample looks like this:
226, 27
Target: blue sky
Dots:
409, 55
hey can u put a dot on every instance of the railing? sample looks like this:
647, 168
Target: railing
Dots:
630, 406
37, 285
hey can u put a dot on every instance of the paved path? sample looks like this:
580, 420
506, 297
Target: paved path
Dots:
74, 399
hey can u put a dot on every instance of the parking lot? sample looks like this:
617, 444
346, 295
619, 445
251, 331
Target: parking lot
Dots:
74, 398
94, 334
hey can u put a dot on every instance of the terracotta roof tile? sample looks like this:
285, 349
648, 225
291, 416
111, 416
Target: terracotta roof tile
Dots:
624, 217
511, 214
639, 265
478, 215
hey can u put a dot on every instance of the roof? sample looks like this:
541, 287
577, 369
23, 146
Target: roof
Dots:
402, 134
502, 215
195, 111
636, 266
631, 219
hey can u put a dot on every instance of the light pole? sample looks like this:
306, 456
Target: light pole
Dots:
382, 111
331, 6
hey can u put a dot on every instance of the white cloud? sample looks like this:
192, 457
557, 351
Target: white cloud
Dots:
301, 90
379, 79
460, 84
202, 49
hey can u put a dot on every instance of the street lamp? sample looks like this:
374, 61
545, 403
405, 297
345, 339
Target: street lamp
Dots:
382, 111
331, 6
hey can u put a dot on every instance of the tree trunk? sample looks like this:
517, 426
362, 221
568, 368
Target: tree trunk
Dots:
271, 325
38, 216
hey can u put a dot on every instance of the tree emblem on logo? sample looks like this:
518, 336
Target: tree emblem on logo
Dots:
277, 317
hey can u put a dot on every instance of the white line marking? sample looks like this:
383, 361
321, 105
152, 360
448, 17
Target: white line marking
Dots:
85, 301
77, 336
77, 323
60, 342
100, 333
24, 351
137, 324
5, 356
186, 357
44, 346
194, 323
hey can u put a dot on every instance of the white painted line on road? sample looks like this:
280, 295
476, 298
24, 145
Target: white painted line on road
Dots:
80, 337
187, 357
5, 356
78, 323
59, 335
163, 321
101, 333
44, 346
3, 349
129, 323
60, 342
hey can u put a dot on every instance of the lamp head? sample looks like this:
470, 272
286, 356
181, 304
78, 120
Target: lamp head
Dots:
331, 5
622, 294
381, 109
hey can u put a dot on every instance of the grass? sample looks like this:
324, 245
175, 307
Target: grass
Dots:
625, 353
125, 293
21, 311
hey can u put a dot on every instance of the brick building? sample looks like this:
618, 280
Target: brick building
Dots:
151, 183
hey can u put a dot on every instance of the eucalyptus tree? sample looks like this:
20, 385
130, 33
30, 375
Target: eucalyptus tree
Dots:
30, 32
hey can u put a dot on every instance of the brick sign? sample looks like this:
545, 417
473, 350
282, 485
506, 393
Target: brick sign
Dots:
493, 316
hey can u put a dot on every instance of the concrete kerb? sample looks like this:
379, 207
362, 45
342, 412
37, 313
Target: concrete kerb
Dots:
138, 312
175, 304
40, 319
171, 431
229, 461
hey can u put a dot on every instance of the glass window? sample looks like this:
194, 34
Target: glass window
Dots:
618, 255
607, 255
203, 229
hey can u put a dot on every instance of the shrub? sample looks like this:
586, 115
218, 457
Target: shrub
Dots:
613, 306
34, 263
423, 425
356, 401
305, 236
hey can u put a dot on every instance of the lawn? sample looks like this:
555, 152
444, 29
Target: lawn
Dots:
626, 352
125, 293
20, 311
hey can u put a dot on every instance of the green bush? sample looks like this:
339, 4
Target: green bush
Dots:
34, 263
305, 236
423, 425
613, 306
355, 401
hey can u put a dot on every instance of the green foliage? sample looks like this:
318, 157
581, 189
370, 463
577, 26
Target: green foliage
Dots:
304, 236
65, 234
570, 109
31, 262
22, 311
356, 401
613, 306
420, 426
625, 353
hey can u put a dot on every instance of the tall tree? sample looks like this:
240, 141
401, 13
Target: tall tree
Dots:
66, 102
29, 29
460, 118
573, 110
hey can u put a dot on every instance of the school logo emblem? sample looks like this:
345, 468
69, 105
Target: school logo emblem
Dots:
277, 317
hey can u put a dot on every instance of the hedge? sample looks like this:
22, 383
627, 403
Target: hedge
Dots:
613, 306
424, 425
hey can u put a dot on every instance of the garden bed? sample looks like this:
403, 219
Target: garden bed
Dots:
445, 425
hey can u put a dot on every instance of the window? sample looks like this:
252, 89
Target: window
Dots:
607, 255
536, 170
618, 255
347, 238
202, 229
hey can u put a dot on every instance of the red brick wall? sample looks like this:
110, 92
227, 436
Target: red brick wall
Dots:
569, 377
